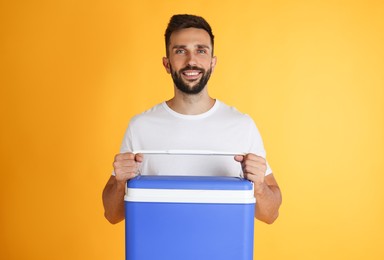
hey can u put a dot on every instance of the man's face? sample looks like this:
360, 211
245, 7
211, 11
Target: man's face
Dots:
190, 60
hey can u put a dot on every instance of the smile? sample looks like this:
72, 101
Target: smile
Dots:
191, 74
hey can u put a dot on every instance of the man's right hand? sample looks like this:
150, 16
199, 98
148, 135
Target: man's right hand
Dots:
126, 166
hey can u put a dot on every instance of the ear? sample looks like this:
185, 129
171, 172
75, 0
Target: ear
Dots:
167, 65
213, 63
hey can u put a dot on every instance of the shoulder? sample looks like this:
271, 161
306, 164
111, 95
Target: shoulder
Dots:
231, 112
154, 112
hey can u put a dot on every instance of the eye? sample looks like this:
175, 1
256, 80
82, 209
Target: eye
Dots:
202, 51
180, 51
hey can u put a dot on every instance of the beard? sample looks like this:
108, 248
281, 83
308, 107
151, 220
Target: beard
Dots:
188, 89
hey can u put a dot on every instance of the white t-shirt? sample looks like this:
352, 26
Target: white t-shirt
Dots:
221, 129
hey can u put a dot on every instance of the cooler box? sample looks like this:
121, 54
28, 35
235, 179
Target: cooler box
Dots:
189, 218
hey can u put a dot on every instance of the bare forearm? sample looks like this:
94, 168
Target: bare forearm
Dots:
267, 192
113, 200
268, 201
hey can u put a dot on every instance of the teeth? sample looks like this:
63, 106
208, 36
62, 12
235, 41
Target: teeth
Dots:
191, 73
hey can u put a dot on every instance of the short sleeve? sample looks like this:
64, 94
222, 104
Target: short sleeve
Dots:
126, 145
256, 143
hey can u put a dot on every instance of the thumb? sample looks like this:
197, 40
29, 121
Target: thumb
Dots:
138, 157
239, 158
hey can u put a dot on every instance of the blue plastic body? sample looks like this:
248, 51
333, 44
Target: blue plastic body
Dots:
189, 231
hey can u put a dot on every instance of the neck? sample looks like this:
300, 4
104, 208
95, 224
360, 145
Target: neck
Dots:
191, 104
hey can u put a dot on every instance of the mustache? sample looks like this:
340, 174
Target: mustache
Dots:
189, 67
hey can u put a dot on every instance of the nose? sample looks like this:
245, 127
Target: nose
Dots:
191, 59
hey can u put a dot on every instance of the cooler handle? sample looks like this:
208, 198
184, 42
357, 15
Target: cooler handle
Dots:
188, 152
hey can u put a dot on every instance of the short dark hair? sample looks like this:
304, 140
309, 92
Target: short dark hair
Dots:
183, 21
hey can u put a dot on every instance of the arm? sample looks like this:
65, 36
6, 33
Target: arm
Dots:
125, 167
267, 191
268, 200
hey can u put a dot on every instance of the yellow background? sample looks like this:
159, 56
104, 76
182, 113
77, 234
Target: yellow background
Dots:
310, 73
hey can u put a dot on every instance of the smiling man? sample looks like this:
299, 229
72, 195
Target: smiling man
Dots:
192, 120
192, 60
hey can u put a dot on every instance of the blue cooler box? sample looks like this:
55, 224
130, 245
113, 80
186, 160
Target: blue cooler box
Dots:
186, 217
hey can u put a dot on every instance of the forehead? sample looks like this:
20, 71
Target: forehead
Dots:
190, 36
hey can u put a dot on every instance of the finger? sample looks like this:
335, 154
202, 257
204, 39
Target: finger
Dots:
254, 164
254, 157
123, 163
123, 171
239, 158
251, 177
139, 157
255, 170
127, 169
124, 156
254, 174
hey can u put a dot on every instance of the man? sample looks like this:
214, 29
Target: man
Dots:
192, 120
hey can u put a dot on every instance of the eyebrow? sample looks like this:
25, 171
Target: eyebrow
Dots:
199, 46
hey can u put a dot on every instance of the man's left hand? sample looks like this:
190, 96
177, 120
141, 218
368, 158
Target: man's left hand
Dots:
254, 168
